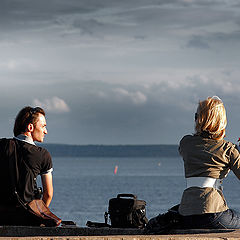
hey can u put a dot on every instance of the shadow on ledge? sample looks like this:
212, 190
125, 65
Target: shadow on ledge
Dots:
27, 231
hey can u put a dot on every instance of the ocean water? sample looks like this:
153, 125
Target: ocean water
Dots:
83, 186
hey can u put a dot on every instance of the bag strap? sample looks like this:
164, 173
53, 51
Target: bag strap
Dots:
13, 167
96, 224
8, 168
19, 154
11, 155
127, 195
145, 219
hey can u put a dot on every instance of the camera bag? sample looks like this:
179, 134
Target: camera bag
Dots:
126, 211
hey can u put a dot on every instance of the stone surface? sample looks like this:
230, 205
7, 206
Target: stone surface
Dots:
77, 233
18, 231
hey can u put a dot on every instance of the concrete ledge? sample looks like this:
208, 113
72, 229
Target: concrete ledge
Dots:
77, 233
24, 231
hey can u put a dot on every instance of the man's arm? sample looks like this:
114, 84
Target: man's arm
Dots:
47, 188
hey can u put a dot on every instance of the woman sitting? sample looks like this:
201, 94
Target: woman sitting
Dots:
208, 158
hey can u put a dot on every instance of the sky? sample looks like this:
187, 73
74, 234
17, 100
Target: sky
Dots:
119, 72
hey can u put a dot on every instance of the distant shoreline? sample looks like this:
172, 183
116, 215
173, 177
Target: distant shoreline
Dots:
153, 150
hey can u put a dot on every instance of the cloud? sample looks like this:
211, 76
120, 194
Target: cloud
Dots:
119, 94
54, 105
88, 26
120, 64
18, 64
197, 42
135, 97
92, 17
233, 36
205, 40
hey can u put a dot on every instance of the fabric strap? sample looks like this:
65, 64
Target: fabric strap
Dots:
204, 182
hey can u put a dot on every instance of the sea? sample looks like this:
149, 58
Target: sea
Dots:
84, 185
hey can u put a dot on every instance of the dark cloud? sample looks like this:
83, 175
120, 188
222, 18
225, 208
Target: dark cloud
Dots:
233, 36
102, 117
27, 14
198, 42
113, 113
88, 26
113, 71
212, 39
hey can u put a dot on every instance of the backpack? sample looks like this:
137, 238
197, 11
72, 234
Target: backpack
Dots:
126, 211
7, 172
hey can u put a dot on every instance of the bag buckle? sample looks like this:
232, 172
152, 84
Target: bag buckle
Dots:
106, 217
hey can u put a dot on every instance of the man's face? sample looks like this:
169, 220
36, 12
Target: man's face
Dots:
40, 129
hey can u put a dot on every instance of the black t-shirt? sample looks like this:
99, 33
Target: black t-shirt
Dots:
31, 161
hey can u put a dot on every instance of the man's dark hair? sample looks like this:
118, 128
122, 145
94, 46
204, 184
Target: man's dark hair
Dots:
25, 116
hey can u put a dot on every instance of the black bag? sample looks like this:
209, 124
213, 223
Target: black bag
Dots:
126, 211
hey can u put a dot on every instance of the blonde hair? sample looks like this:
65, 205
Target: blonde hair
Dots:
211, 118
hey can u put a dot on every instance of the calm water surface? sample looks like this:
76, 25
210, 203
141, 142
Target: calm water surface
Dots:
83, 186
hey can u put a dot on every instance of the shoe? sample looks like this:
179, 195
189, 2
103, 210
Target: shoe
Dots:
163, 223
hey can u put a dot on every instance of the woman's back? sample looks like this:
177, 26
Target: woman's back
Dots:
205, 157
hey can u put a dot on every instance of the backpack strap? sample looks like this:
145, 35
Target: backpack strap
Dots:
13, 166
9, 169
11, 155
